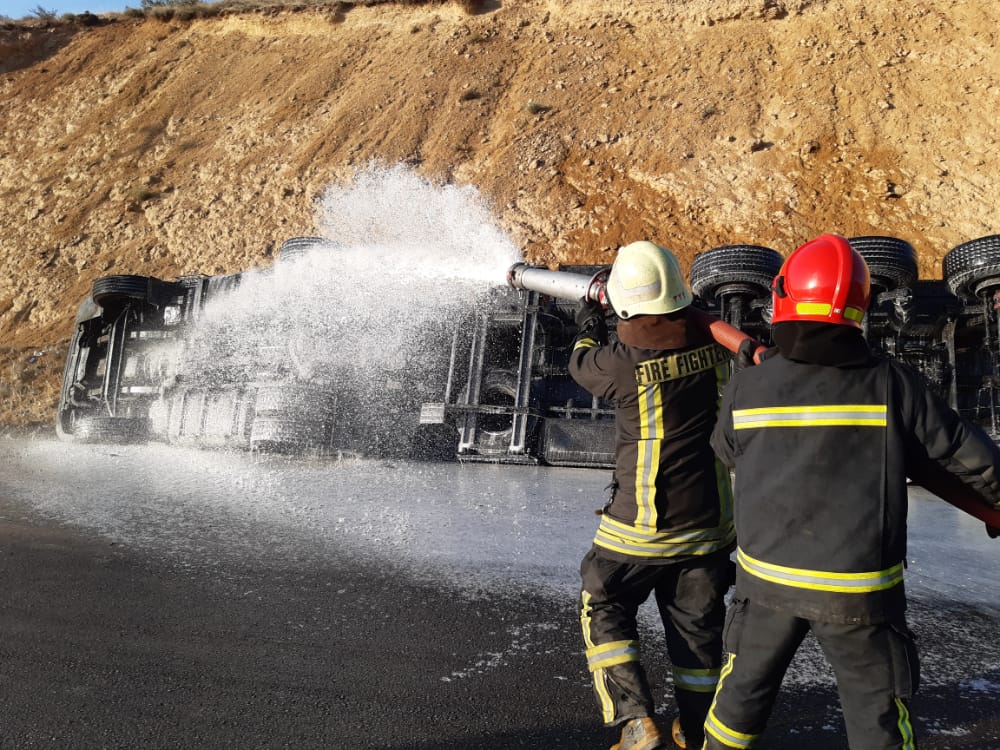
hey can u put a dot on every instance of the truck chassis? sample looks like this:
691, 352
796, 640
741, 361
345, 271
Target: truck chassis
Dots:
495, 386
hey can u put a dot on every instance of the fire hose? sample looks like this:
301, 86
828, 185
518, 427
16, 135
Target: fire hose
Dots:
593, 288
576, 286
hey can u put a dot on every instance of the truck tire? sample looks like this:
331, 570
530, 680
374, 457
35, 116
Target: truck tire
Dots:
270, 433
104, 429
973, 268
892, 262
751, 267
296, 399
295, 248
109, 290
290, 418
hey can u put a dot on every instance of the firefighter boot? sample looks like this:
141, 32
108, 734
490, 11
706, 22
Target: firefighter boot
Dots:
640, 734
678, 734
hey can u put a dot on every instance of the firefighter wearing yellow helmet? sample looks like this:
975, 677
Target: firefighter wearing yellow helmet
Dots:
646, 279
667, 528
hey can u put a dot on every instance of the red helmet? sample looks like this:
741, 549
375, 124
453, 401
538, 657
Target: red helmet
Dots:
825, 281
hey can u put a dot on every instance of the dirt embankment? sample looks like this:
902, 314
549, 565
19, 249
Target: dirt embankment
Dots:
165, 148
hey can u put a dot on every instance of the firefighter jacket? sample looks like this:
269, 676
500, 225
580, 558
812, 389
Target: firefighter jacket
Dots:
672, 498
821, 454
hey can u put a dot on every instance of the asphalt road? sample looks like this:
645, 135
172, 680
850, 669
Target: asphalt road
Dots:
104, 647
235, 640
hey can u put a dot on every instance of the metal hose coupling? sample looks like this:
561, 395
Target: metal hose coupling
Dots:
560, 284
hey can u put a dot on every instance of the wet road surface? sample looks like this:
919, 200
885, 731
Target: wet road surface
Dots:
160, 598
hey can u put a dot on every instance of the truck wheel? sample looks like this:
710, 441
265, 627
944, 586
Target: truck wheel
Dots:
108, 290
298, 400
103, 429
750, 268
892, 262
495, 430
297, 247
284, 434
973, 268
289, 418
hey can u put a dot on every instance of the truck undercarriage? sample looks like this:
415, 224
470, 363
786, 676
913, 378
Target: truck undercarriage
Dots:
486, 384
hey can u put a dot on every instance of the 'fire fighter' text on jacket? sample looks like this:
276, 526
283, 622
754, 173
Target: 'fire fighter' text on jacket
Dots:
673, 497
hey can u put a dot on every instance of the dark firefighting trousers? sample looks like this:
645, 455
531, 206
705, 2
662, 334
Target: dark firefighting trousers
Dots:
690, 597
875, 665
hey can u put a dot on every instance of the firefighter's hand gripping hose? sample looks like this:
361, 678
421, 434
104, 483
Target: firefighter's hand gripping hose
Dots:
747, 349
993, 531
744, 354
588, 313
590, 321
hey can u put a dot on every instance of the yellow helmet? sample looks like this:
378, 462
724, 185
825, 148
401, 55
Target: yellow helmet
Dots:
646, 279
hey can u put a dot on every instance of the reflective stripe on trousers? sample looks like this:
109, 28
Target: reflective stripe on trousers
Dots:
875, 665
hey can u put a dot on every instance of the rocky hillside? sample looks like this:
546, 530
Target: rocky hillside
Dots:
162, 148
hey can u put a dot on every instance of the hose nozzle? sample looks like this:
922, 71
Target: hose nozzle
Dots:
560, 284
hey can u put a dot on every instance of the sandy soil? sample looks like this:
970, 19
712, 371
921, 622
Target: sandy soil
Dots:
162, 148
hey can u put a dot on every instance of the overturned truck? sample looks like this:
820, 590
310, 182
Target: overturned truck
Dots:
489, 383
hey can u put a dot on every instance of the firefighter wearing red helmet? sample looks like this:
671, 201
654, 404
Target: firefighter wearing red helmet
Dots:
824, 281
822, 436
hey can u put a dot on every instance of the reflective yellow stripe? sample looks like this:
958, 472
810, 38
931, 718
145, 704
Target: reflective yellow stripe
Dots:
652, 434
600, 686
584, 344
631, 540
905, 727
858, 415
713, 726
824, 310
813, 308
585, 619
729, 737
647, 465
696, 680
853, 313
727, 667
821, 580
608, 654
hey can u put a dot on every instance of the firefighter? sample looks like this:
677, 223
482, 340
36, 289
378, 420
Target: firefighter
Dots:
822, 436
667, 528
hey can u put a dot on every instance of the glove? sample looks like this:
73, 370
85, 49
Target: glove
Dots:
993, 531
744, 355
746, 350
588, 312
590, 320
